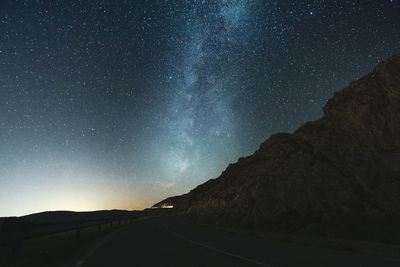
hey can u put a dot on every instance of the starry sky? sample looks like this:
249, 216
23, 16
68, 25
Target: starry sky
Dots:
119, 104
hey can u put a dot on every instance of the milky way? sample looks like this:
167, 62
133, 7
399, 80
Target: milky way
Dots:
118, 104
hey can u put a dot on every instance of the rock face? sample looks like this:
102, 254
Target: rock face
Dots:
341, 169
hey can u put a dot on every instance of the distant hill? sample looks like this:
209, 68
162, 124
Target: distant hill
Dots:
71, 216
43, 223
339, 175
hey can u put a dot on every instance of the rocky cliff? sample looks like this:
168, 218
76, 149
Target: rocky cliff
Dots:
343, 169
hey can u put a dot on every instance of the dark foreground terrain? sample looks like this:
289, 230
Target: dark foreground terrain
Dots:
41, 239
161, 240
171, 241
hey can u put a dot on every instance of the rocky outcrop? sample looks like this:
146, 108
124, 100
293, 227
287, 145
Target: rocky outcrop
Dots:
343, 169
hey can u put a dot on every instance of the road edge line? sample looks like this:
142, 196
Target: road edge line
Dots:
218, 250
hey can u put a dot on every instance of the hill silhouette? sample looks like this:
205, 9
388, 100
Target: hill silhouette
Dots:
339, 175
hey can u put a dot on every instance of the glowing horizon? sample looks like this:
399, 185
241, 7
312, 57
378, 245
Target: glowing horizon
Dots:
119, 105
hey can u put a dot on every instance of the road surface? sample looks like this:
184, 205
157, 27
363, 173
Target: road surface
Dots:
171, 241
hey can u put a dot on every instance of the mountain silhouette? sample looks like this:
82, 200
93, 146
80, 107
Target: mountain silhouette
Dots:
337, 175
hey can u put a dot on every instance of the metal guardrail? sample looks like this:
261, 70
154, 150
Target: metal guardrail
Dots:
14, 230
13, 235
17, 231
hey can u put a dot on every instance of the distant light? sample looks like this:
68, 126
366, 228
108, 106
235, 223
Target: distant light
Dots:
167, 206
311, 13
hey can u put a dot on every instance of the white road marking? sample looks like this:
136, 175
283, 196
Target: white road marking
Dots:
219, 250
92, 250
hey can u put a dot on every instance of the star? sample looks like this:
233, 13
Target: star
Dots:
160, 96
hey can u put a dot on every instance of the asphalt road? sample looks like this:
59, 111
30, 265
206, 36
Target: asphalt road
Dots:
171, 241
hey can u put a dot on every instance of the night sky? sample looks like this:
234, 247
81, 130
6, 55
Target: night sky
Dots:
119, 104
